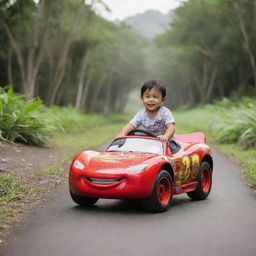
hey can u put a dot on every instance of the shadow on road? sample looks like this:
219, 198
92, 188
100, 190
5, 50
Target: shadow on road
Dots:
125, 206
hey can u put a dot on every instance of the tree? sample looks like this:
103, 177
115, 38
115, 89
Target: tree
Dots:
16, 21
211, 46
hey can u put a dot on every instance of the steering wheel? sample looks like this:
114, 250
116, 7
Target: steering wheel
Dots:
144, 133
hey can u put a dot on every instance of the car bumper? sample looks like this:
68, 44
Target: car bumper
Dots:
116, 186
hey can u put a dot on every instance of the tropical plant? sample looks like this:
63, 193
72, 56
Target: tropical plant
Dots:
236, 121
22, 121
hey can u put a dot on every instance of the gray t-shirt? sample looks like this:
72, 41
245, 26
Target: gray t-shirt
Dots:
156, 126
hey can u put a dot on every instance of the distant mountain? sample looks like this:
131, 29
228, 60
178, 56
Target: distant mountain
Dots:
149, 23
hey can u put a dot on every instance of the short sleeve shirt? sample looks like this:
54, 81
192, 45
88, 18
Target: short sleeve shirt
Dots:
156, 126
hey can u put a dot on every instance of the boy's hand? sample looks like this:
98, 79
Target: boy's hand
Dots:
163, 137
126, 130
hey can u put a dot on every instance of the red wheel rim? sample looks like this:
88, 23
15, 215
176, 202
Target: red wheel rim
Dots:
206, 180
164, 190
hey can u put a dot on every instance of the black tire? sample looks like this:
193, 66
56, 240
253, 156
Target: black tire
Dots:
161, 197
82, 200
204, 185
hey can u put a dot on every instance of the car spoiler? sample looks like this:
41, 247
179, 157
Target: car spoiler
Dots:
191, 137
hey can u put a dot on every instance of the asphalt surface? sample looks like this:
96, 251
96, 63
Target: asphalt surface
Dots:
224, 224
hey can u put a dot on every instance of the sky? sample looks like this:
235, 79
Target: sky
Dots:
121, 9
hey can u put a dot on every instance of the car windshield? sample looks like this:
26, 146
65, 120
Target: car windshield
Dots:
137, 145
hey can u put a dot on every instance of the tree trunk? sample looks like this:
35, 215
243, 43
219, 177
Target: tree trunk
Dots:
205, 80
18, 54
247, 45
107, 103
203, 83
120, 101
81, 80
242, 79
86, 91
198, 83
9, 67
34, 58
96, 94
55, 84
211, 84
29, 72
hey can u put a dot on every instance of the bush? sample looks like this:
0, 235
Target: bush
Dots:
22, 121
238, 125
228, 120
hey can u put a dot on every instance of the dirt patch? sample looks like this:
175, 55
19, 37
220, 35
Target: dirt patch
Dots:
23, 159
27, 163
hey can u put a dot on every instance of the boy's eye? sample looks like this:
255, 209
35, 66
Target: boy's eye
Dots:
156, 96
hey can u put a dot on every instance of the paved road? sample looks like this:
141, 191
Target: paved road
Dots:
224, 224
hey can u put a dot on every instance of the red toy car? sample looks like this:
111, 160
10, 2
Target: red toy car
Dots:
140, 166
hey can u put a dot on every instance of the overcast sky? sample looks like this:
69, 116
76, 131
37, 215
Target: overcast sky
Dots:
121, 9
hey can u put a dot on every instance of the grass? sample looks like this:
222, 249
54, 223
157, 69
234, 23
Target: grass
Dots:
15, 193
13, 188
89, 138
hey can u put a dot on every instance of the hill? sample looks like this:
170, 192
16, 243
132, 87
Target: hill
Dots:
150, 23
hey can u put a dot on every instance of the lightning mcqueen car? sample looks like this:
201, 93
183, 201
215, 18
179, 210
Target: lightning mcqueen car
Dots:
140, 166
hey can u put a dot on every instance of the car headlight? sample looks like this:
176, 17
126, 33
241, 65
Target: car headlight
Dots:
137, 168
77, 164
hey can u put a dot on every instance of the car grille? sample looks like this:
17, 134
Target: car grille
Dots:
104, 181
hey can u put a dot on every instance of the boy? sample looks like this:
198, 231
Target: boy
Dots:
154, 118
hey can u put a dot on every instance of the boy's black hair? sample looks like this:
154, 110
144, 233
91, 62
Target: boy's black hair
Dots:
157, 84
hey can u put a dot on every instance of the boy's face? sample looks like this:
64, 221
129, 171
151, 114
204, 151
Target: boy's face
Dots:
152, 99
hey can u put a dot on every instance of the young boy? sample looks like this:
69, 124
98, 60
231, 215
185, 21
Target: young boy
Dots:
154, 118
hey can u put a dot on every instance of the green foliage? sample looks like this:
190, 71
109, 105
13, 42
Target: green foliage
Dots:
238, 125
204, 55
31, 51
228, 120
22, 120
32, 123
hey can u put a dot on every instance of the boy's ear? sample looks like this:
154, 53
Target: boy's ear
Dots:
163, 99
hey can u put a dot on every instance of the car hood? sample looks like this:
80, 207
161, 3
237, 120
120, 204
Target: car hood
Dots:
104, 160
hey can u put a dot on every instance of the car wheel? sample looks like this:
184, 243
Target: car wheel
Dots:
161, 196
82, 200
204, 185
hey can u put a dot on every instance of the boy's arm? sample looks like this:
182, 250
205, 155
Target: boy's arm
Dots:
126, 130
170, 129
